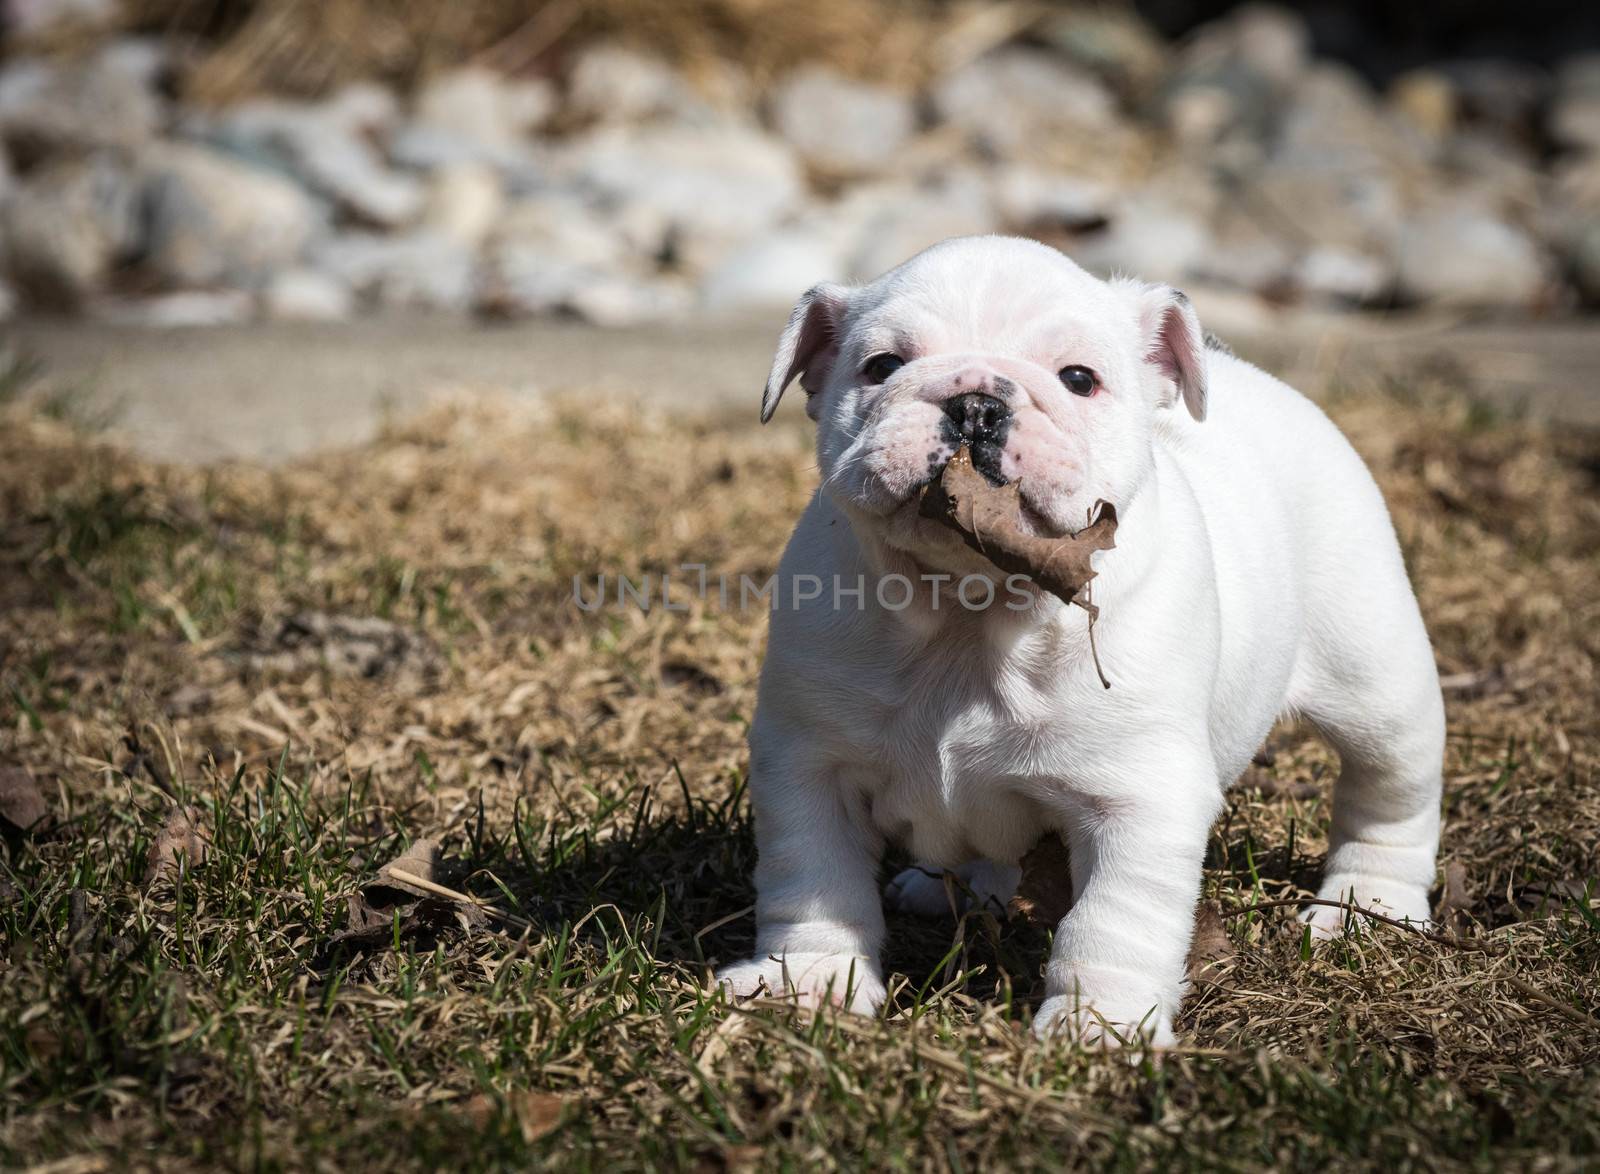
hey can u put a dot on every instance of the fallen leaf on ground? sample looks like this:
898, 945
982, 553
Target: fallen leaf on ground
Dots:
1211, 947
372, 911
988, 518
181, 843
536, 1113
22, 807
1454, 899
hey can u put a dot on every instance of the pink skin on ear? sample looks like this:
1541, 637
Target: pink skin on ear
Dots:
1177, 346
808, 346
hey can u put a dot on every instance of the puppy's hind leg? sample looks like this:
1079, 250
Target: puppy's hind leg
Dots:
1373, 691
925, 891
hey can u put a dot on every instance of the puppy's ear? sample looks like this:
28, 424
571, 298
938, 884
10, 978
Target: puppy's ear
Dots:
809, 345
1174, 344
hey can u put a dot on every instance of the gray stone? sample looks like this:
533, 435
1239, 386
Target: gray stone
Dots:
9, 301
1500, 95
417, 270
891, 221
841, 126
611, 83
212, 220
327, 149
713, 188
46, 108
1148, 236
1030, 200
306, 295
1113, 42
66, 227
1016, 101
1584, 262
526, 279
1462, 255
773, 271
1343, 276
476, 116
1233, 74
464, 202
1573, 119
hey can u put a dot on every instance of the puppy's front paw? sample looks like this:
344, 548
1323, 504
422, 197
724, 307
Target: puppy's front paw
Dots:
850, 981
1104, 1024
1390, 898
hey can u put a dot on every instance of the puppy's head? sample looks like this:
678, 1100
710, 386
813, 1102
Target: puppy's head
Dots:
1053, 378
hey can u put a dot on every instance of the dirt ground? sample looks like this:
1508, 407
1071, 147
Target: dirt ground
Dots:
230, 693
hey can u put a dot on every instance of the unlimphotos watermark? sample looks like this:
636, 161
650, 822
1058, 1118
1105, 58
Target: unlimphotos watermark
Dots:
892, 592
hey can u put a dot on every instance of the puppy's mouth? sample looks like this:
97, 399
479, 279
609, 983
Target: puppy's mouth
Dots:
1031, 519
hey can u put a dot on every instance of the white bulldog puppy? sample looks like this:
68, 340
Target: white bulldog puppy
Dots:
1255, 574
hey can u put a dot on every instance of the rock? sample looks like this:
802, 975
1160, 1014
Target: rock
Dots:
1115, 43
1242, 254
47, 108
524, 279
326, 149
464, 202
713, 188
1426, 99
306, 295
476, 103
613, 84
889, 222
562, 225
1337, 275
1573, 120
474, 115
1233, 73
1583, 259
1320, 206
9, 301
187, 308
1031, 201
840, 126
66, 226
212, 220
420, 270
1148, 236
1501, 96
771, 272
1014, 101
1461, 255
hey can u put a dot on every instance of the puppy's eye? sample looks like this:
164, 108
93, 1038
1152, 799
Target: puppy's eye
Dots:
1079, 380
880, 367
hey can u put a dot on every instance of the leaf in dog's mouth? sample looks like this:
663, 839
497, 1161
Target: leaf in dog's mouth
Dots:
989, 520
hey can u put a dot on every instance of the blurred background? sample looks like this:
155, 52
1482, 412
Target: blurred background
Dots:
257, 227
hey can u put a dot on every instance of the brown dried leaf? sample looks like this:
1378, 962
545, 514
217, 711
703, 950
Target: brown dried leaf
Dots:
182, 842
422, 859
536, 1113
1212, 947
1454, 899
987, 518
22, 807
371, 912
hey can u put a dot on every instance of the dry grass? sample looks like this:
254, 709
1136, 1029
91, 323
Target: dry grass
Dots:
308, 46
207, 637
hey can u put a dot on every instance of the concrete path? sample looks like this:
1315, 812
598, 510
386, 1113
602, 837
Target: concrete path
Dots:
270, 392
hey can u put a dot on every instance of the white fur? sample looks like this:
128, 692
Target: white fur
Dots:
1255, 574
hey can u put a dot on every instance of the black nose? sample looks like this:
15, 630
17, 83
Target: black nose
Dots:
980, 422
979, 418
